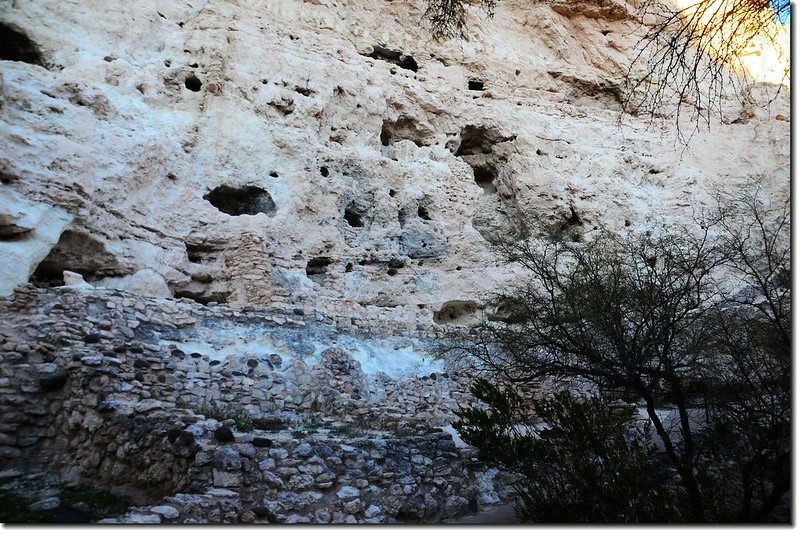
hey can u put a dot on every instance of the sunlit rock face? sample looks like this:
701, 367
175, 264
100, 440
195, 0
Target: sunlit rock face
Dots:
332, 155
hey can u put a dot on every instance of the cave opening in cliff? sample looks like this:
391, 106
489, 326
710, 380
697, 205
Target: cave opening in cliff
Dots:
244, 200
456, 312
476, 140
78, 252
317, 268
193, 83
396, 57
484, 178
203, 296
16, 46
203, 252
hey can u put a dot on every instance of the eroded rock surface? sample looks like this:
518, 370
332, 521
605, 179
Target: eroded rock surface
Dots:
333, 153
266, 212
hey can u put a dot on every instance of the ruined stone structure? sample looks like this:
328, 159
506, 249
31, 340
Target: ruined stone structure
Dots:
271, 209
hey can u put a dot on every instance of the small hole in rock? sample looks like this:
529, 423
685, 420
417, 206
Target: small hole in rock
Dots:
317, 266
475, 85
323, 171
627, 223
394, 56
348, 267
476, 140
422, 212
353, 217
404, 128
193, 83
273, 174
392, 193
484, 178
574, 219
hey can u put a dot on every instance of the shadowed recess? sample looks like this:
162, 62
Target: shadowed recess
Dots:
245, 200
16, 46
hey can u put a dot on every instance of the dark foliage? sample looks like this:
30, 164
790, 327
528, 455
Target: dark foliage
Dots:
695, 317
448, 18
589, 464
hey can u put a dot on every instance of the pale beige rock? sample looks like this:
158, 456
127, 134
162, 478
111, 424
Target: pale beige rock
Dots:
145, 282
74, 280
368, 202
22, 251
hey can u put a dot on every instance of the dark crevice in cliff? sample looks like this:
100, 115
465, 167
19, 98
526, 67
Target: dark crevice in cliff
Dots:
16, 46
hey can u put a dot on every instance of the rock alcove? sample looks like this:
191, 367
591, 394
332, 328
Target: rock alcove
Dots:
242, 200
456, 312
397, 57
16, 46
79, 252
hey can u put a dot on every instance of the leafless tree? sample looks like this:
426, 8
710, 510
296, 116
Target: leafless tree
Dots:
752, 400
689, 58
695, 54
448, 18
648, 315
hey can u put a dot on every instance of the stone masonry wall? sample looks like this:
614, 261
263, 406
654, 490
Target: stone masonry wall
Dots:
89, 383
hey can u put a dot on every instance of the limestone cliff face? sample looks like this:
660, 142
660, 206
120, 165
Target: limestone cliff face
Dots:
328, 153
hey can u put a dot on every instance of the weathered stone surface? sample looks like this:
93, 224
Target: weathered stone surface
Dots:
166, 511
348, 493
220, 183
334, 177
46, 504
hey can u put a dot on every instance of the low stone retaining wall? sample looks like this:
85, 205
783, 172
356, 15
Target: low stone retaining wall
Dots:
280, 479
